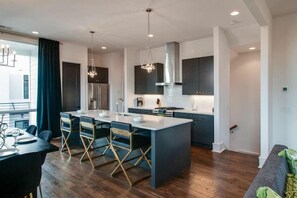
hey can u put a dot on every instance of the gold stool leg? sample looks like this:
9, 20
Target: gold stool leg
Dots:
143, 156
66, 142
87, 151
107, 147
121, 165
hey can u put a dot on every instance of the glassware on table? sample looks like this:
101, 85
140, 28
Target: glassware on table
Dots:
3, 126
15, 133
2, 140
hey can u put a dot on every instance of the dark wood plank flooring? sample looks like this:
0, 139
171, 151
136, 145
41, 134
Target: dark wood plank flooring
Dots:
228, 174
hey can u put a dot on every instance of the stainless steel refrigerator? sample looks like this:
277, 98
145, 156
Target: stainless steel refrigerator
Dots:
98, 95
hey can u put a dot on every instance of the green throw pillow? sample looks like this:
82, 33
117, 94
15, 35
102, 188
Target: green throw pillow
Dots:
266, 192
291, 186
291, 156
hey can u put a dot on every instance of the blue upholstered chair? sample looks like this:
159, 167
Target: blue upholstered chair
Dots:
32, 129
90, 131
20, 175
69, 125
46, 135
122, 137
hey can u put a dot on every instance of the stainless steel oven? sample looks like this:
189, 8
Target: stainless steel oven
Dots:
165, 111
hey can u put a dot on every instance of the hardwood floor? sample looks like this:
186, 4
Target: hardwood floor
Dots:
228, 174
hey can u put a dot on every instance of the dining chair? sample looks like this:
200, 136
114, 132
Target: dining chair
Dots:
20, 175
90, 131
32, 129
123, 137
46, 135
69, 125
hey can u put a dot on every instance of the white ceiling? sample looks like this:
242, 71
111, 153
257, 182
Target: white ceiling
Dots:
123, 23
282, 7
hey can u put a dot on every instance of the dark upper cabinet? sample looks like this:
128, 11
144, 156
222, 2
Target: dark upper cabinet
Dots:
198, 76
101, 77
140, 80
145, 83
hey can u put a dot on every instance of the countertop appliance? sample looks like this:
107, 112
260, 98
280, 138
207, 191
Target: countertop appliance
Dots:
98, 96
139, 102
165, 111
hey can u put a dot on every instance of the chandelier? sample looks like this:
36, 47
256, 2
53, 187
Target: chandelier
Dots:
149, 66
6, 56
92, 73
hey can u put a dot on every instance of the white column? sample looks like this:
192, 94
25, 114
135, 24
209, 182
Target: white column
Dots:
221, 91
265, 92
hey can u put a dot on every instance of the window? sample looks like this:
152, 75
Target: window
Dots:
26, 86
18, 98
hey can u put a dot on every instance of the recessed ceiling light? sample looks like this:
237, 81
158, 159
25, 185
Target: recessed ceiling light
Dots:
252, 48
234, 13
104, 47
35, 32
150, 35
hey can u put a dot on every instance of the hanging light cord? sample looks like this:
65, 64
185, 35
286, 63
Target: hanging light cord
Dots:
149, 66
93, 72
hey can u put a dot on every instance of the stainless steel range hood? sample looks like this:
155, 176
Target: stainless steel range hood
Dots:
171, 68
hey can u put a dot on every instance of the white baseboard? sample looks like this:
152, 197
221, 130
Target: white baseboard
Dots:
262, 159
218, 147
246, 152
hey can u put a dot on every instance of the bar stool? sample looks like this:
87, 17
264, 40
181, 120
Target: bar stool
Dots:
123, 137
90, 131
69, 125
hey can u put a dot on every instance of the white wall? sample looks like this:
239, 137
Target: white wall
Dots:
115, 64
245, 102
284, 63
131, 58
221, 91
4, 80
76, 54
173, 94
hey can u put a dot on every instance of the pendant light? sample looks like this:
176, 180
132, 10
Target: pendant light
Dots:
149, 66
92, 73
7, 56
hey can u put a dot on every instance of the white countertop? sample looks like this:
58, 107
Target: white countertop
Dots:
149, 122
180, 110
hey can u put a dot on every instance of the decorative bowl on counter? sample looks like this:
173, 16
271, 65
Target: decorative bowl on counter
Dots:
138, 118
80, 111
103, 114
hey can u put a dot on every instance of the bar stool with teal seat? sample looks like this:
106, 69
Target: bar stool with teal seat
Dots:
90, 131
123, 137
69, 126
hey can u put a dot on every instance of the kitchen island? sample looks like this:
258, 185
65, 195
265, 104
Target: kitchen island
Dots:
170, 141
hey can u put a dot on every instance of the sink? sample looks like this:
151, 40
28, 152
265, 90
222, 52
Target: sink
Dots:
126, 114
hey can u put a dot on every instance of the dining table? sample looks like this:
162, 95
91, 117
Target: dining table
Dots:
27, 143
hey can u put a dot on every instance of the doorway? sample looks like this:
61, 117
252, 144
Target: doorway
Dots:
71, 86
245, 103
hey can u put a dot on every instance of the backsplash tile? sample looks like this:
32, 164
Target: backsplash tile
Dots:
173, 97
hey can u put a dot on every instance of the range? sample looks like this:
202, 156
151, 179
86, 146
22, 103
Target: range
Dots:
165, 111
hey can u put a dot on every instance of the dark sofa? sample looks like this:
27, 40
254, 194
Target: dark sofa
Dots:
273, 174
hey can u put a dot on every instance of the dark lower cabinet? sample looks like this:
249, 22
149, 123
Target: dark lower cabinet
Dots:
145, 83
140, 111
202, 131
